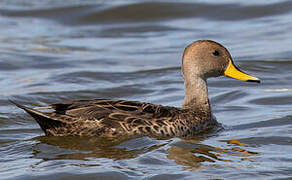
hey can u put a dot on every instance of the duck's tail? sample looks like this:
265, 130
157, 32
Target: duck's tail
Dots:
43, 119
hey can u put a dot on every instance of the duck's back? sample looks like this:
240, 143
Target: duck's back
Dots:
112, 118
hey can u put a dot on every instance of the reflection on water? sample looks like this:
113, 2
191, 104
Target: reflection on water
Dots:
80, 148
54, 50
190, 153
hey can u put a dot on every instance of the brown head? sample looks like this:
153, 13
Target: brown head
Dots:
205, 58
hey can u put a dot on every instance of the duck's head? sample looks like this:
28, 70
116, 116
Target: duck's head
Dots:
205, 58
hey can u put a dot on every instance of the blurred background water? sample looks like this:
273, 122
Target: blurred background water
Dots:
54, 50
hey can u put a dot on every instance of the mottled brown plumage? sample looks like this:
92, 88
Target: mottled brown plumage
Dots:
115, 118
109, 118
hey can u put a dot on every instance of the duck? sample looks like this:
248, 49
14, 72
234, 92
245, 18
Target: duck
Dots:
201, 60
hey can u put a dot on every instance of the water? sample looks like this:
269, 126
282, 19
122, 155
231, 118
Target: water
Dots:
58, 50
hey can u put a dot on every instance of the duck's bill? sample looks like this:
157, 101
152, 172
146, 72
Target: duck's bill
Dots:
233, 72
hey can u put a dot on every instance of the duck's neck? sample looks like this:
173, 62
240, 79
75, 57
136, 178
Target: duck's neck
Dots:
196, 95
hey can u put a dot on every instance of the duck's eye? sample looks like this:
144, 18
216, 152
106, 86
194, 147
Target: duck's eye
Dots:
216, 53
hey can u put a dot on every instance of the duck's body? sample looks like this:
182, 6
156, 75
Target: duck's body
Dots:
116, 118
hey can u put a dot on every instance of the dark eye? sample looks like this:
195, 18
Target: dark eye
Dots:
216, 53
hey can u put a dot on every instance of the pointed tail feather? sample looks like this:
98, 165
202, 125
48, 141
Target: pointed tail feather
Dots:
43, 119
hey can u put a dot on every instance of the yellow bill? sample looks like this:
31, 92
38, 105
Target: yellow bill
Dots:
233, 72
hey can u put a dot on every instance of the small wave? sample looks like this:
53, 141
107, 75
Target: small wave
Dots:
153, 11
